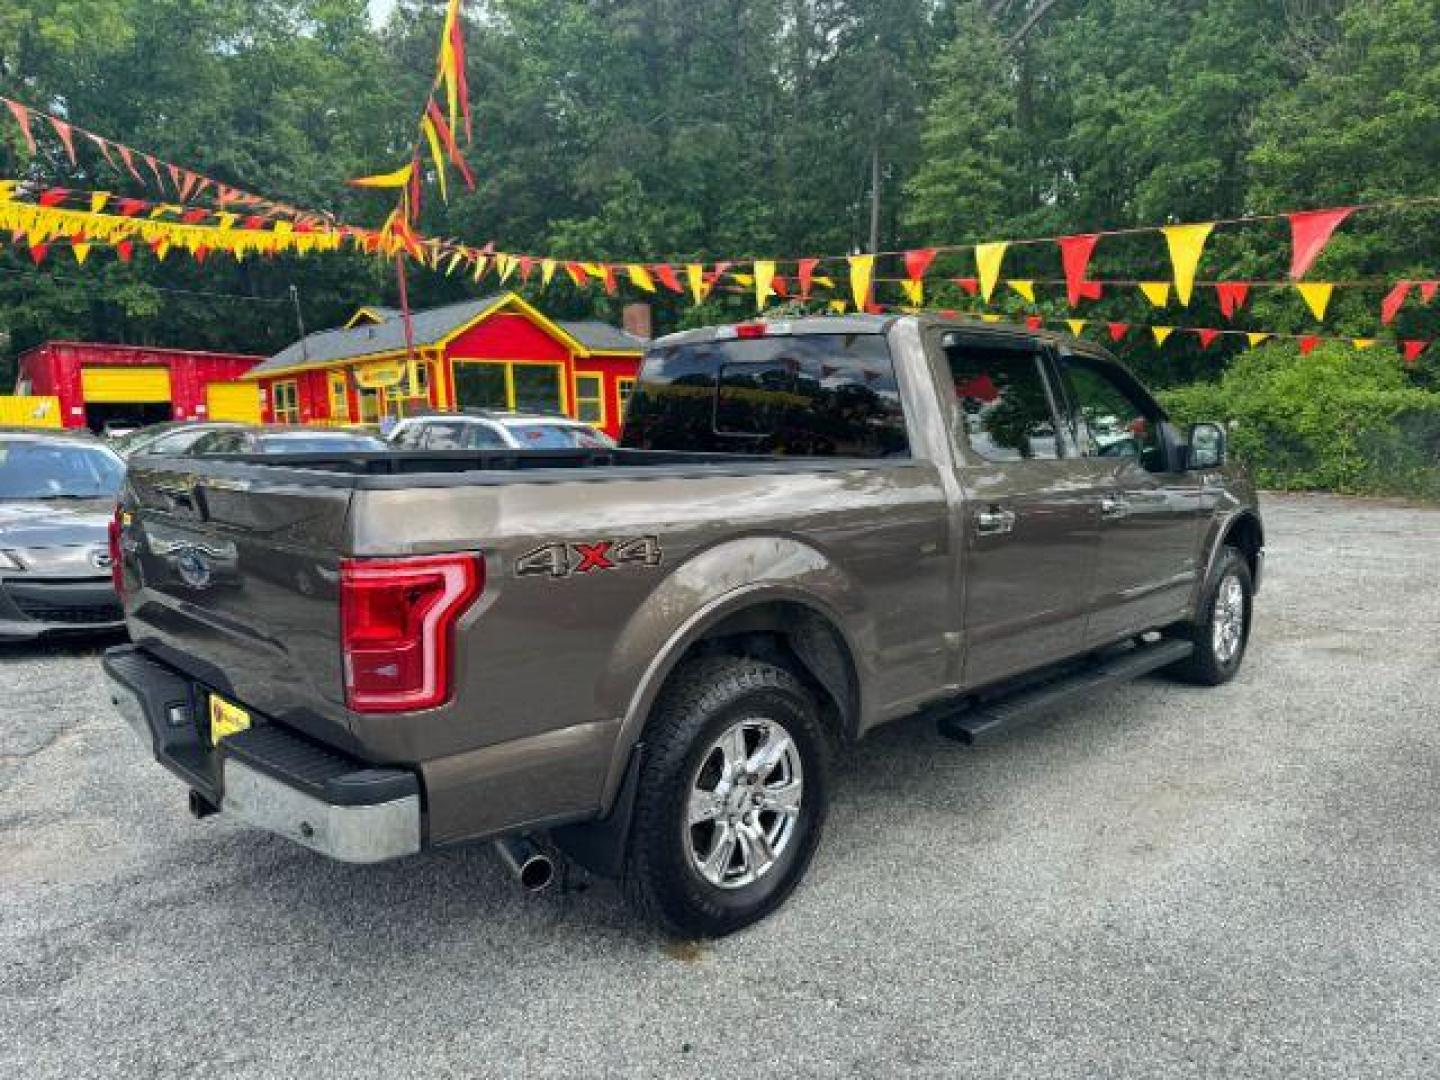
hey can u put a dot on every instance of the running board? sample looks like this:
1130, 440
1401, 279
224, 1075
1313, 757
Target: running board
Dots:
983, 722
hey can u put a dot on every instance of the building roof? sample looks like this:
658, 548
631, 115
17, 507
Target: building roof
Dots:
431, 326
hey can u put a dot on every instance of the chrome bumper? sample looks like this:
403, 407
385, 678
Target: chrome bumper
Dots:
351, 812
353, 834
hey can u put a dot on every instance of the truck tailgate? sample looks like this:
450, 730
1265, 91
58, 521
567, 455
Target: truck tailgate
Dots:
233, 577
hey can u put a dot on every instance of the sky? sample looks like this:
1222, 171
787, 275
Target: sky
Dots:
379, 9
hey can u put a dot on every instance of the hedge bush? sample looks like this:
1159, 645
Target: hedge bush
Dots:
1336, 420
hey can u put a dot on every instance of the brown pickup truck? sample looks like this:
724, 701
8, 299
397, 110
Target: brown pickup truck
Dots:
643, 656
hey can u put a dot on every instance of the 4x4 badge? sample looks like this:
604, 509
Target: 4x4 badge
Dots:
561, 560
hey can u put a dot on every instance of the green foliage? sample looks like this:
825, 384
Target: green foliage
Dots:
1333, 420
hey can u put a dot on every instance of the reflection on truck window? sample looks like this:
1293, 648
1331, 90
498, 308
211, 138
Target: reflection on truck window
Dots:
1116, 418
812, 395
1003, 404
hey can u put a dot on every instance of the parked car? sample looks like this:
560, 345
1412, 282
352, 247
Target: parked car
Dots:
282, 439
646, 654
57, 501
490, 430
170, 437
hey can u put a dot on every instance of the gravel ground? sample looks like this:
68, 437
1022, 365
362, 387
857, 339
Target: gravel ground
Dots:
1167, 882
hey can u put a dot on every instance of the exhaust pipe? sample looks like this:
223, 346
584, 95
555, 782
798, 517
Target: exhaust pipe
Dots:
532, 868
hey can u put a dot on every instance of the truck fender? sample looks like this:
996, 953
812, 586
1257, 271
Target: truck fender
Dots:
1241, 526
711, 586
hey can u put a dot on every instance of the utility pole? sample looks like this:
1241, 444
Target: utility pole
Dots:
875, 198
299, 322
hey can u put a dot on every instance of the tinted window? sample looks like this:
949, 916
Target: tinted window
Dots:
556, 436
177, 442
221, 442
442, 436
409, 437
484, 437
1115, 417
1003, 401
54, 470
813, 395
319, 444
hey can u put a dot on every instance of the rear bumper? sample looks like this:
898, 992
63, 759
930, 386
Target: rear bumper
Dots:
32, 607
269, 776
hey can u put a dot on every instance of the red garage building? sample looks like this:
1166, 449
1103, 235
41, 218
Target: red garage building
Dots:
499, 352
134, 384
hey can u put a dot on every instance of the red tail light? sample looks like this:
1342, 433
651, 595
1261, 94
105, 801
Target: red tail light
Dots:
117, 570
397, 628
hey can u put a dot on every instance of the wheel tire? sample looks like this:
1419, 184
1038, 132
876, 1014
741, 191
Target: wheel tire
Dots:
1215, 661
703, 701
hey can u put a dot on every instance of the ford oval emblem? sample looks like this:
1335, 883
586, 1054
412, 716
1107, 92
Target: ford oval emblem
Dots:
194, 568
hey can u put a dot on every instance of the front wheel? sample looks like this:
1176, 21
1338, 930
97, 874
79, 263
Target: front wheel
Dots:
732, 797
1221, 629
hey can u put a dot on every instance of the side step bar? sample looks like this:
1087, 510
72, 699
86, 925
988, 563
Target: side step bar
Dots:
982, 722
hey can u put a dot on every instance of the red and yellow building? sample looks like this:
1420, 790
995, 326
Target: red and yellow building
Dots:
498, 353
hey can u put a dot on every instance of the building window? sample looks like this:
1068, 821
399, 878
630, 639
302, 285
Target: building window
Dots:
590, 399
502, 384
286, 398
422, 380
370, 405
623, 389
339, 396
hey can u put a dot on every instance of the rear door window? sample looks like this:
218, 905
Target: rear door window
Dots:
810, 395
1005, 405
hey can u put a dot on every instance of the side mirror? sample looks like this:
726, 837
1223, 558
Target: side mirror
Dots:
1207, 446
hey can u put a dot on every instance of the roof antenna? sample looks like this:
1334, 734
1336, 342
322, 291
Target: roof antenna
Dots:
300, 322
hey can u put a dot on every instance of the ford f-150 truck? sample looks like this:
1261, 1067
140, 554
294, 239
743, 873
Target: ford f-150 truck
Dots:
643, 656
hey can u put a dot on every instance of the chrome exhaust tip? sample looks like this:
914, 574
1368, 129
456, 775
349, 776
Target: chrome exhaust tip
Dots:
532, 868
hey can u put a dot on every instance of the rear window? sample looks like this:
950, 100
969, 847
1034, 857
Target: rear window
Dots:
813, 395
557, 436
302, 444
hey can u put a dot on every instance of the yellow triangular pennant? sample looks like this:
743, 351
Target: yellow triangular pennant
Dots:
98, 200
1255, 338
1157, 292
1186, 243
80, 249
1316, 295
399, 178
437, 155
1161, 333
914, 291
990, 316
547, 271
640, 277
824, 282
1076, 325
764, 282
988, 258
1363, 342
1024, 288
695, 276
862, 270
838, 306
505, 264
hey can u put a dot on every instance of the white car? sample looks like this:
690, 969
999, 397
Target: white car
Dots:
496, 431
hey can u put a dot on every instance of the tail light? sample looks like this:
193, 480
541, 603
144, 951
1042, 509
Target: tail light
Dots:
397, 628
117, 568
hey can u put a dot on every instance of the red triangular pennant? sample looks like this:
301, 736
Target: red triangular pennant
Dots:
1307, 344
805, 271
1309, 233
128, 156
53, 196
969, 284
193, 215
1118, 330
611, 284
1427, 291
666, 273
1232, 295
22, 117
38, 252
1034, 322
1411, 350
917, 262
1075, 252
67, 138
1390, 306
1091, 290
124, 248
780, 287
130, 207
1207, 337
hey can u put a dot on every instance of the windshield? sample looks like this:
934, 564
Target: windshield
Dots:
557, 436
319, 444
55, 470
128, 444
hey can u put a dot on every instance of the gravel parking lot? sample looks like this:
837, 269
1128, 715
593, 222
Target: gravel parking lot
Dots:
1169, 881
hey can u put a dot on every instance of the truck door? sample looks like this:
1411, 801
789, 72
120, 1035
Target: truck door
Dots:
1150, 529
1031, 510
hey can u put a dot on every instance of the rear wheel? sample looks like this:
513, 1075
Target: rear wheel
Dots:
1221, 629
732, 797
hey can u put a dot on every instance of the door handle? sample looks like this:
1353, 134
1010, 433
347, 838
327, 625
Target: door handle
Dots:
995, 522
1113, 508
